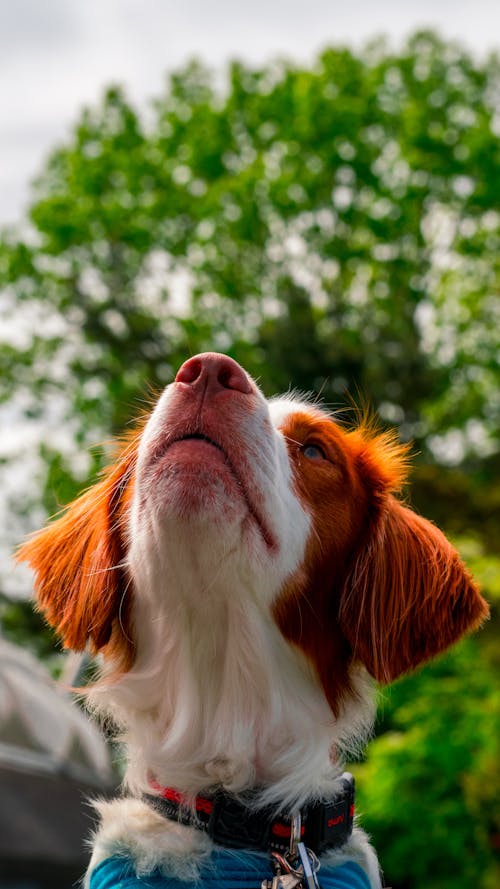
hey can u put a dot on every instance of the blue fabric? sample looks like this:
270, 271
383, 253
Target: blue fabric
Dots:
223, 870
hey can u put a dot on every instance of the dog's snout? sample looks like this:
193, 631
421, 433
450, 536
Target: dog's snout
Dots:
215, 372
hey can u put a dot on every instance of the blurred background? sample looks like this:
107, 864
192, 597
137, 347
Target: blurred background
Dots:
314, 190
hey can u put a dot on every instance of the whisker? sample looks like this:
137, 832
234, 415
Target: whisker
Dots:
104, 570
293, 440
322, 389
120, 611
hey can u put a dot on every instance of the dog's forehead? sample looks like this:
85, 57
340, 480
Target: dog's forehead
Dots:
284, 410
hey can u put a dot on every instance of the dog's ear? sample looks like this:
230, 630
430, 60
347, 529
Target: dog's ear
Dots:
408, 595
80, 580
393, 594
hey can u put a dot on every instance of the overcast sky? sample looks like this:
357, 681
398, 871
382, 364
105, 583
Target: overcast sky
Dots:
56, 55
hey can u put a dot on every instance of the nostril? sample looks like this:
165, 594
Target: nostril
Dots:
228, 379
231, 376
224, 377
190, 370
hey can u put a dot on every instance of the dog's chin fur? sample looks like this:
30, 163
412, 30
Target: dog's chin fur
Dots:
247, 572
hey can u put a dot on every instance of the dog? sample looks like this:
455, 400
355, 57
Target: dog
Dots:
248, 574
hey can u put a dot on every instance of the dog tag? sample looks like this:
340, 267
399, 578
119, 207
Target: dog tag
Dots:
309, 880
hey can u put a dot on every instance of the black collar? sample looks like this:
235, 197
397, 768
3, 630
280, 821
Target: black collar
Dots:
231, 823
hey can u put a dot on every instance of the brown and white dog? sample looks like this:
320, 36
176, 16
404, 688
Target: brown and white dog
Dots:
247, 573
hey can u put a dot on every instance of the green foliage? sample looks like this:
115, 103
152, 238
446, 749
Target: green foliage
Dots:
23, 625
428, 790
335, 228
430, 785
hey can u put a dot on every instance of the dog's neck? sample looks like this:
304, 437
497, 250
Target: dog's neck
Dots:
218, 697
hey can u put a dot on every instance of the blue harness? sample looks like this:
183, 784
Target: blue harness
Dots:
224, 869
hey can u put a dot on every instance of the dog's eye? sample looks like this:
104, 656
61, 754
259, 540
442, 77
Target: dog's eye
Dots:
313, 452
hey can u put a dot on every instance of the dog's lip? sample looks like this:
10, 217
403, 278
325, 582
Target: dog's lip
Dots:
191, 436
199, 436
254, 512
169, 441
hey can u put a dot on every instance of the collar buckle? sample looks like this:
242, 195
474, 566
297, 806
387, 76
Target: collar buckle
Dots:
329, 825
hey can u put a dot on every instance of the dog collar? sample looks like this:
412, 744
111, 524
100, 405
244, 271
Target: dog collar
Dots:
231, 822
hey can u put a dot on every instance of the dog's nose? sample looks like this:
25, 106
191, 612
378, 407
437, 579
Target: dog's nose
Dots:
215, 371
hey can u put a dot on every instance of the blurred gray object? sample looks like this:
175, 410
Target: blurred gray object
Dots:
52, 761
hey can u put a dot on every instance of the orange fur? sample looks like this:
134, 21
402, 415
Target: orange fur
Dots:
379, 585
408, 595
81, 582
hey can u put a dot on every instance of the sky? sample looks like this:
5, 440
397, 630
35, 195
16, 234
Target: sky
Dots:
58, 55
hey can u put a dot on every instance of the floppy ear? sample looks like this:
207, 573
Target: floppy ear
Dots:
408, 595
80, 579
